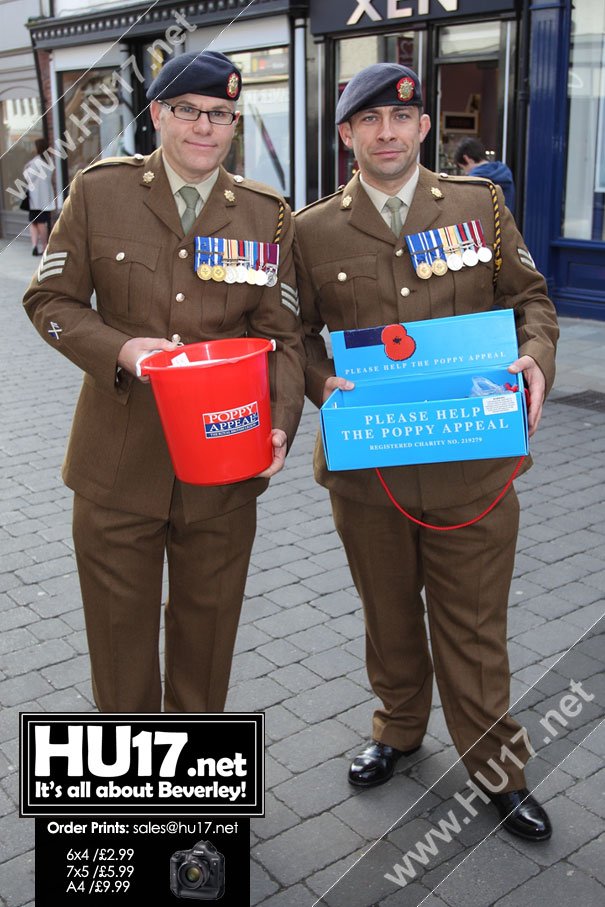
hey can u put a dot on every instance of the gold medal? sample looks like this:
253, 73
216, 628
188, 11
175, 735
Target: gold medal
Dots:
423, 270
439, 267
218, 273
251, 277
204, 272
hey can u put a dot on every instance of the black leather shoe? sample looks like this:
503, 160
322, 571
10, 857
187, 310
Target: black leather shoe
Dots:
376, 764
522, 814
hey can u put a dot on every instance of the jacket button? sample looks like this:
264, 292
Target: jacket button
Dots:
180, 297
342, 276
120, 256
183, 253
176, 338
399, 253
405, 291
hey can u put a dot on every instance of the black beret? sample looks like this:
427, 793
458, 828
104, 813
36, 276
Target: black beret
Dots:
379, 85
209, 73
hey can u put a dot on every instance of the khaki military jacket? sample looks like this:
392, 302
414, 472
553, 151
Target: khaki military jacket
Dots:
119, 236
354, 273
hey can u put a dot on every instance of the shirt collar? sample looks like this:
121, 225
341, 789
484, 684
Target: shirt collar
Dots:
177, 182
406, 193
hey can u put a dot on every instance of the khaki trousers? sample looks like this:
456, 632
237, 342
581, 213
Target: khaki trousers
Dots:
466, 575
120, 558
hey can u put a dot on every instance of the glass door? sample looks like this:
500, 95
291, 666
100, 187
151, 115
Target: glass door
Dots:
473, 90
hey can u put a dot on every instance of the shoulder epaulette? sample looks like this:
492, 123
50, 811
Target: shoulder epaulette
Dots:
319, 201
134, 161
243, 182
454, 178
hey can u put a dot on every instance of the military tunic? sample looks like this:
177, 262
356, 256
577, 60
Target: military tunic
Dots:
120, 237
353, 272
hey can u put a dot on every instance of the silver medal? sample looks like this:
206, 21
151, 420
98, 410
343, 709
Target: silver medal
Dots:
470, 258
454, 261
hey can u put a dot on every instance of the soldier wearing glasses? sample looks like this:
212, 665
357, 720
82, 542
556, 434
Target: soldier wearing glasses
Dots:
127, 233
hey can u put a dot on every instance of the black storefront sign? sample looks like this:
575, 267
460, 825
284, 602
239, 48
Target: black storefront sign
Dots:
348, 16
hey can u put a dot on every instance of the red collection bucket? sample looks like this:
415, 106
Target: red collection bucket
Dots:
214, 403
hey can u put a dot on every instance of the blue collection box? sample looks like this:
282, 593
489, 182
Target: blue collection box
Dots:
415, 398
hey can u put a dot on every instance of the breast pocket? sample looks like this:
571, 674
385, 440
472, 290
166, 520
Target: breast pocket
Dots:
348, 288
124, 273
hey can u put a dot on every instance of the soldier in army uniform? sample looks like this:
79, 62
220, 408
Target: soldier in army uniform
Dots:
356, 270
127, 232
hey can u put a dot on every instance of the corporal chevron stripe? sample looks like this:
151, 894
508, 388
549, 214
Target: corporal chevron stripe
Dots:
52, 264
289, 298
526, 259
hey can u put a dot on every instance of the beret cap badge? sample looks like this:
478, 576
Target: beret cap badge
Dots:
405, 89
233, 85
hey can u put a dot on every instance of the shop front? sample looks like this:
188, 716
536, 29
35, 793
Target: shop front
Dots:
527, 77
100, 62
465, 52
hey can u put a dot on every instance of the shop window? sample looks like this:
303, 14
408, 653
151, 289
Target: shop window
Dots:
469, 89
585, 184
261, 148
21, 126
92, 119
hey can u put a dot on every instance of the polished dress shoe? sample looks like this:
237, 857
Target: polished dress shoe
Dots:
376, 764
522, 815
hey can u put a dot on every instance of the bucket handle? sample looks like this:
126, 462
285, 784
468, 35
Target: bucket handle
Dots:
138, 367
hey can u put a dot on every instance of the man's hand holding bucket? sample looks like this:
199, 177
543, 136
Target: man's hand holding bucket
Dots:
280, 448
135, 349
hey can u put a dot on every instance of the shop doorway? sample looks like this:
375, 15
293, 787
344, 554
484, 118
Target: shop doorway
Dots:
468, 102
473, 94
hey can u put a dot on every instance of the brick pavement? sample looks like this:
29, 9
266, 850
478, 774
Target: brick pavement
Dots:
300, 659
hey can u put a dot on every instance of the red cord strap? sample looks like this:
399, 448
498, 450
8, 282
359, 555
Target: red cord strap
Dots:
459, 525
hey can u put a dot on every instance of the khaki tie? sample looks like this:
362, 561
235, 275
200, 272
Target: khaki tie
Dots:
191, 197
394, 204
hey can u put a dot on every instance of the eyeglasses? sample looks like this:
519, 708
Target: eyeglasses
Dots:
216, 117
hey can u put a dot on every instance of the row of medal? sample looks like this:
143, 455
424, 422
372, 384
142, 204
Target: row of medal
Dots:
448, 249
236, 260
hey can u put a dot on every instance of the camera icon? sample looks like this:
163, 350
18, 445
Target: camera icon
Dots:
198, 873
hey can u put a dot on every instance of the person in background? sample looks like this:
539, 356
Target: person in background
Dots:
471, 157
355, 272
41, 198
128, 233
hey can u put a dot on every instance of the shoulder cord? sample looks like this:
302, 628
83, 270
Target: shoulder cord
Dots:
497, 233
280, 222
458, 525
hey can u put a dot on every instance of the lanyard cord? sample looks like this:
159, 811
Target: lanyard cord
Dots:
458, 525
